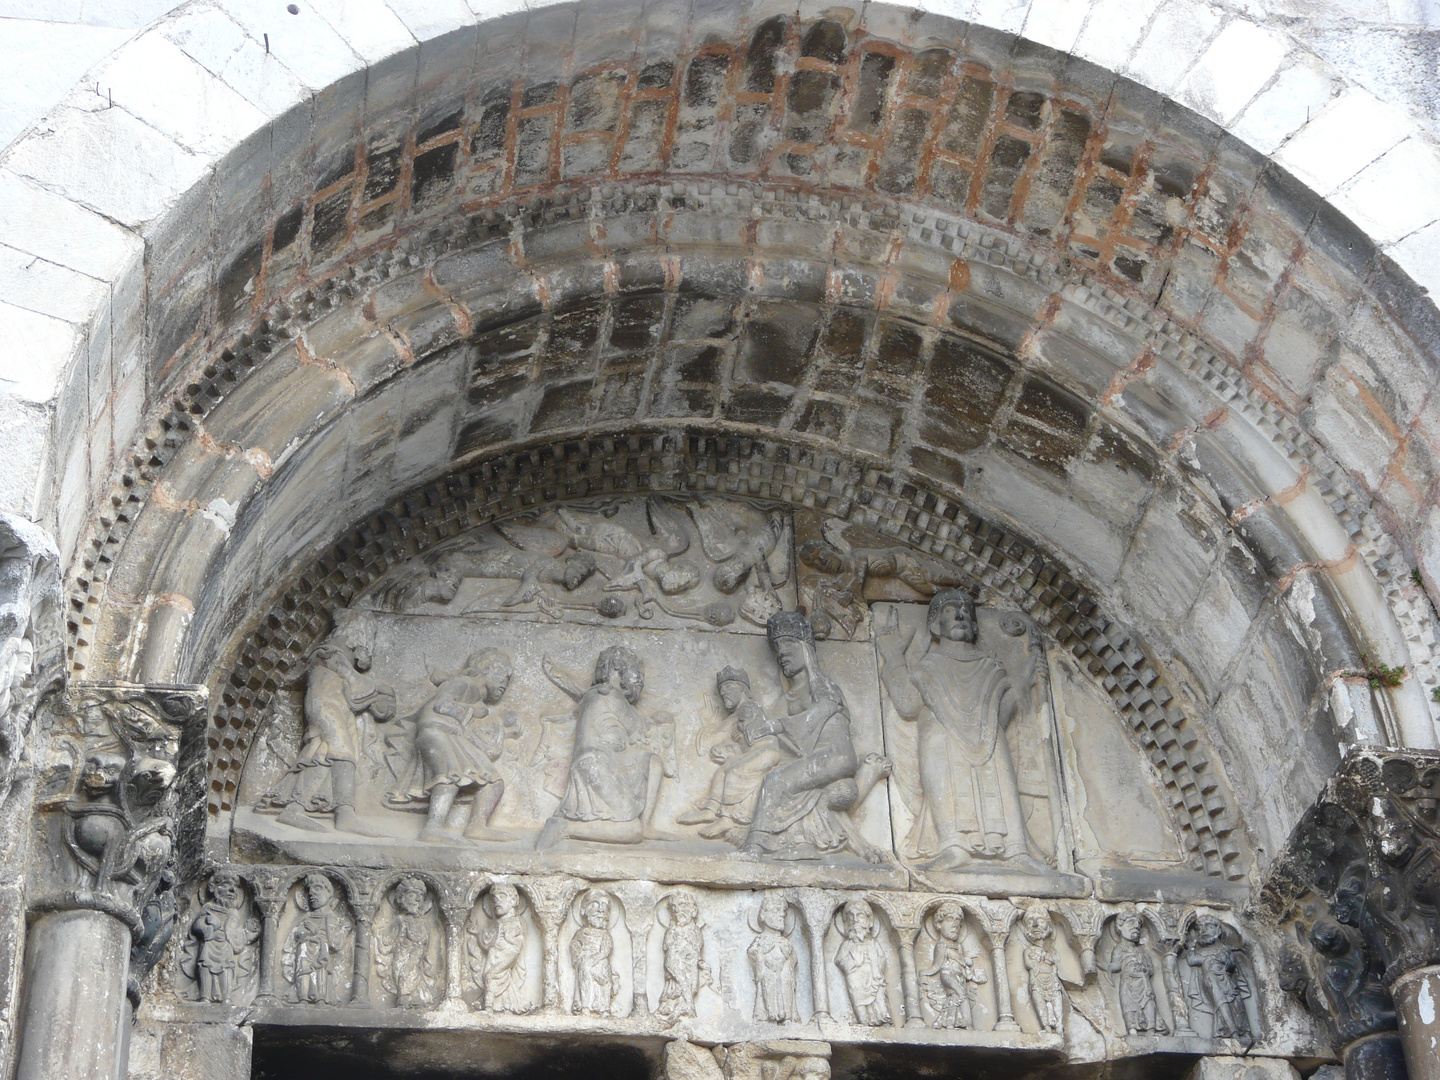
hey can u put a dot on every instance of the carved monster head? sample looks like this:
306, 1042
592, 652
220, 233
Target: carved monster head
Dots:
951, 616
101, 774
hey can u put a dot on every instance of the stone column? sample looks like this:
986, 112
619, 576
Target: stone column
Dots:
76, 966
1417, 1002
102, 898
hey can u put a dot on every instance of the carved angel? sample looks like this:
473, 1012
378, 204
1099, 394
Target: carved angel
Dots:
741, 539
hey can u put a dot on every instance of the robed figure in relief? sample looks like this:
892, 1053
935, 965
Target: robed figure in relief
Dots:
961, 699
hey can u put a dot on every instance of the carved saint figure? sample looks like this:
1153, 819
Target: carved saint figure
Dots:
1041, 972
1134, 967
801, 808
315, 959
448, 766
497, 953
218, 953
407, 952
953, 969
773, 958
338, 690
685, 968
962, 699
743, 762
861, 959
591, 949
1222, 987
619, 759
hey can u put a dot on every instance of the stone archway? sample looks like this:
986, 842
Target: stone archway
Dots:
918, 276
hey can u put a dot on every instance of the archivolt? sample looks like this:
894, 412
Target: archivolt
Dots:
963, 269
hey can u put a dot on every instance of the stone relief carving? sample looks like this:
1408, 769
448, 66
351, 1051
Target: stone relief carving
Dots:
317, 960
409, 947
443, 758
707, 560
957, 968
620, 757
1220, 983
30, 637
497, 939
338, 690
683, 948
862, 960
122, 758
1039, 977
775, 963
592, 954
221, 950
950, 967
1135, 966
744, 757
962, 698
801, 805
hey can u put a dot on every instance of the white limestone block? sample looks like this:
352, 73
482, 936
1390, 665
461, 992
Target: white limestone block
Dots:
1396, 195
1241, 59
1354, 130
1174, 41
41, 61
1007, 15
45, 224
152, 79
431, 18
1055, 23
35, 284
1113, 30
1419, 256
305, 43
109, 161
1300, 92
369, 26
218, 44
38, 348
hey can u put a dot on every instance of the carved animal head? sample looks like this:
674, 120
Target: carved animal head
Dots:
101, 774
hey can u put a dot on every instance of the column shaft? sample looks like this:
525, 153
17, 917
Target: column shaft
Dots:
1417, 1004
75, 1015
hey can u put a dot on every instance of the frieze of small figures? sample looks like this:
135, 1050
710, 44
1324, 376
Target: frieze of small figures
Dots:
557, 951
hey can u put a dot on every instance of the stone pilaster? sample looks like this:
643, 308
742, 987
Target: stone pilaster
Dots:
1356, 894
120, 791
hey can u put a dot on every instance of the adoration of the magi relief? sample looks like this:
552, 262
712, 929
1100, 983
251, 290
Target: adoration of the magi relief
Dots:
741, 694
704, 761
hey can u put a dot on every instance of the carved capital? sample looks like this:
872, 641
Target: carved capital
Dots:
1356, 889
121, 788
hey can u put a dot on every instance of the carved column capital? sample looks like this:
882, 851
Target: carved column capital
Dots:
1356, 889
126, 768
